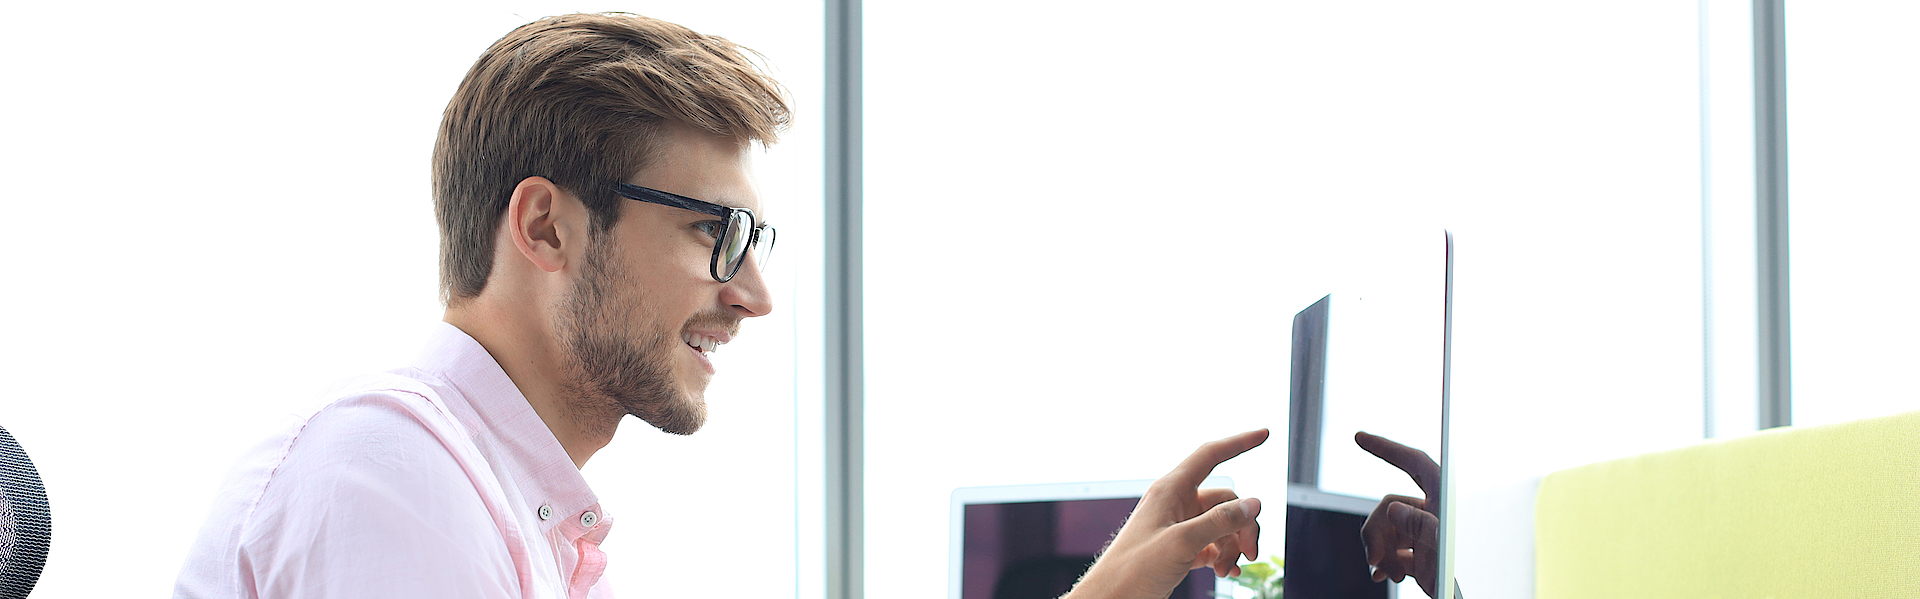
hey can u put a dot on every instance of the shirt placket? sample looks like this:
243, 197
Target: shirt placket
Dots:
584, 531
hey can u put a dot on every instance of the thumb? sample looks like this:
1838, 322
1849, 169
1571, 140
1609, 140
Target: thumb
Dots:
1224, 519
1417, 528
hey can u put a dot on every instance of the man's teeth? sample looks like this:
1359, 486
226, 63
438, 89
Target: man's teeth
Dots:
703, 343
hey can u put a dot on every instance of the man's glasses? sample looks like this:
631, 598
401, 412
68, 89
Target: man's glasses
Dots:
737, 234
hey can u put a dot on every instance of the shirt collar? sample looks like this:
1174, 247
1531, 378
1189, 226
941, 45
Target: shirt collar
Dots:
505, 425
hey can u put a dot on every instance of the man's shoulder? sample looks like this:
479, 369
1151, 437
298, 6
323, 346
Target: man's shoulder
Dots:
394, 427
379, 435
384, 418
379, 479
397, 402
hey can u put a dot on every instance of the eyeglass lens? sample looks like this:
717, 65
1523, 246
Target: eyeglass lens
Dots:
737, 240
733, 247
763, 249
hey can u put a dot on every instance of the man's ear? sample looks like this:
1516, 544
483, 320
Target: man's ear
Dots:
544, 222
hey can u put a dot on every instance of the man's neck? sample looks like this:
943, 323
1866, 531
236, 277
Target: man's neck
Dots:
532, 358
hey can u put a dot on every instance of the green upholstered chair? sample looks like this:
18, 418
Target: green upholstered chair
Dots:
1823, 511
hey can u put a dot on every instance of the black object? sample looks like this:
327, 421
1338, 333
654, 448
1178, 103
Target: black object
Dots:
1045, 577
26, 521
1325, 557
1041, 548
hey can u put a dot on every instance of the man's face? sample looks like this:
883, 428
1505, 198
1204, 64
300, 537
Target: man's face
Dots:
644, 303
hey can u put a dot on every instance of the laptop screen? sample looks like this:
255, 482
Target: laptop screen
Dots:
1038, 549
1035, 541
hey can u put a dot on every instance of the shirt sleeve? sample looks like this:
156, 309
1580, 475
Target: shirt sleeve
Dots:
370, 503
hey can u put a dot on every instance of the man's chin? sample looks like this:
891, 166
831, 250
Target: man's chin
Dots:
685, 417
692, 381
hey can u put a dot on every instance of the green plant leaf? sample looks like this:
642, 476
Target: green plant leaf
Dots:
1257, 571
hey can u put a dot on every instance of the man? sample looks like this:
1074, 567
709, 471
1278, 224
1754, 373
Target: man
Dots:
600, 234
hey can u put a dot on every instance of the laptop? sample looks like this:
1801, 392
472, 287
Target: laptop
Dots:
1035, 541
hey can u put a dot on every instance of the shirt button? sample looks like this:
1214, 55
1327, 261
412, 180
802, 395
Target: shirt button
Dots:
546, 512
588, 519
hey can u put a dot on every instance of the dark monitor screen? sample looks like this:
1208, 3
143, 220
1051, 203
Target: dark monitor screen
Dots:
1037, 550
1325, 558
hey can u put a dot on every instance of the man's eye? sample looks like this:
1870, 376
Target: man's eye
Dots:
710, 227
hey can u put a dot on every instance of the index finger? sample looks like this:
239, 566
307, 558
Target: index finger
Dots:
1415, 463
1194, 470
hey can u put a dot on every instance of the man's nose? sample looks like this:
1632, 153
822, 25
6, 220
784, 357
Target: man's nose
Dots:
747, 292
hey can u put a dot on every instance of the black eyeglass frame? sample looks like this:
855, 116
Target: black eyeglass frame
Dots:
726, 214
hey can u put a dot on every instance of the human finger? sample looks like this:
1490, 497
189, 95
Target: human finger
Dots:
1213, 497
1408, 537
1207, 499
1377, 534
1250, 541
1226, 552
1219, 555
1206, 558
1222, 520
1194, 470
1379, 573
1396, 567
1419, 529
1417, 464
1233, 546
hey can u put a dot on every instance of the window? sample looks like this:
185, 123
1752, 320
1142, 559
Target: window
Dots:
1854, 202
1088, 230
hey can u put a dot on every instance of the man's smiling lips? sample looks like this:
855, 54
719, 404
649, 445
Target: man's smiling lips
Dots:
703, 342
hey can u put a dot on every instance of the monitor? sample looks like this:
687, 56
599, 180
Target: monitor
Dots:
1374, 355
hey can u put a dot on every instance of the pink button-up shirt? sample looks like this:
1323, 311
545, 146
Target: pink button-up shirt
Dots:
436, 480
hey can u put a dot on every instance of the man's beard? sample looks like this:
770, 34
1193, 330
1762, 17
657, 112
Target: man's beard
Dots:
607, 369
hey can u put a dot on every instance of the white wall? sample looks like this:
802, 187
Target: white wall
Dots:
219, 208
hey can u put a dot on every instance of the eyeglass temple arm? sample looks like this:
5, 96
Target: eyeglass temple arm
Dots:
667, 199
